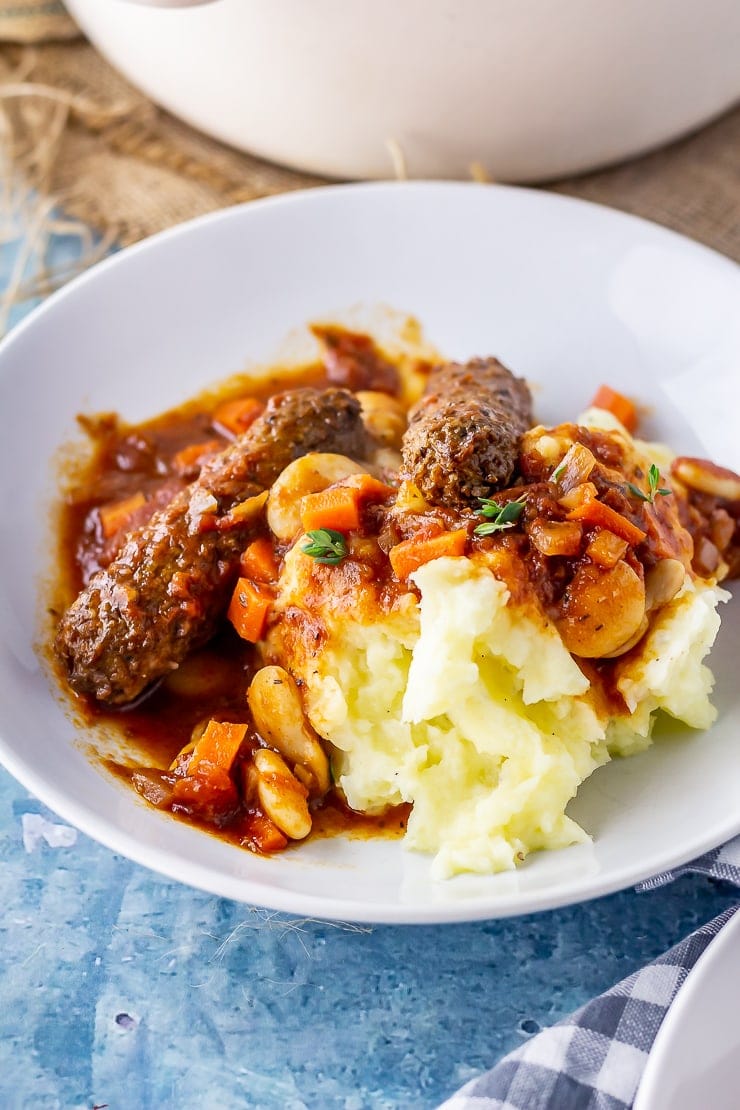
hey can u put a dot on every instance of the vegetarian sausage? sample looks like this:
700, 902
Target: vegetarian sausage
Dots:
165, 591
463, 435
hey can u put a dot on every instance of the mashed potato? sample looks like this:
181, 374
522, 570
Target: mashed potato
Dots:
473, 710
462, 698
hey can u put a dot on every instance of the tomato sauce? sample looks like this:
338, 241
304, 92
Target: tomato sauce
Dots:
129, 461
134, 470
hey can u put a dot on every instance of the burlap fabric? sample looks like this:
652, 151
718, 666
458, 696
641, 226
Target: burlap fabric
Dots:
35, 21
84, 153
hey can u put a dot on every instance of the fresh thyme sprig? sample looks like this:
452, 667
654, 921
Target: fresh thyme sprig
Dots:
499, 517
653, 490
325, 546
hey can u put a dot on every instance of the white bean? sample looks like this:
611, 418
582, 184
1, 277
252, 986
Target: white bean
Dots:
309, 474
277, 710
281, 796
602, 610
662, 583
707, 477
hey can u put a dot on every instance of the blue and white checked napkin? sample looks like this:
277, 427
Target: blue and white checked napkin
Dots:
594, 1059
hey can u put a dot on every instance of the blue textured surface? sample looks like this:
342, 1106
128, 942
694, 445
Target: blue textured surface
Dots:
118, 987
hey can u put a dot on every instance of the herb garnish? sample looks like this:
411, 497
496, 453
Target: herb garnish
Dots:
555, 476
326, 546
653, 479
499, 517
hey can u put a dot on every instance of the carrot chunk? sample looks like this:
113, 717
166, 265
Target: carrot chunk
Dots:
369, 488
340, 507
118, 514
217, 747
209, 794
248, 610
234, 417
596, 512
189, 458
264, 835
409, 555
258, 561
337, 507
617, 404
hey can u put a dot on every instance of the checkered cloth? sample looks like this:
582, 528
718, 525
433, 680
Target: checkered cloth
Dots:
594, 1059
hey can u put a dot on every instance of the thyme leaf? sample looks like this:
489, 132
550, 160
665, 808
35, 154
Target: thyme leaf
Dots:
325, 546
653, 488
499, 517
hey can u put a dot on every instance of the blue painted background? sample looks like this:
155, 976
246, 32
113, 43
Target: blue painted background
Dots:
119, 987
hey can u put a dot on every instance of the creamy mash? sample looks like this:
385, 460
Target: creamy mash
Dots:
465, 702
475, 712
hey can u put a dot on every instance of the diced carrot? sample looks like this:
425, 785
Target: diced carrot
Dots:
234, 417
209, 794
250, 604
117, 515
340, 507
617, 404
369, 488
217, 747
189, 458
605, 548
264, 835
337, 507
409, 555
596, 512
258, 561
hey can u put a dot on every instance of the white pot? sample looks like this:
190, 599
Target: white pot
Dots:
529, 89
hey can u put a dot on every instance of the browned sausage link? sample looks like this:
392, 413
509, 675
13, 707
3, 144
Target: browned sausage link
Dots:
463, 435
167, 588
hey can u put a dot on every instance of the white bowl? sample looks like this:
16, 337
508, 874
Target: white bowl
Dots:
528, 89
568, 294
